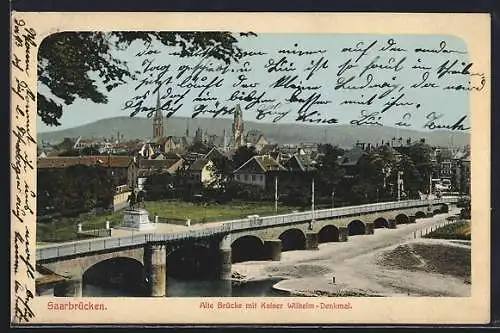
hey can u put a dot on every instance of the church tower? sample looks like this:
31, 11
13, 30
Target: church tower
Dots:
224, 139
237, 127
158, 127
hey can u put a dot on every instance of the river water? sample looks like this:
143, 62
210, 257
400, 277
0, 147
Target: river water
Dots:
196, 288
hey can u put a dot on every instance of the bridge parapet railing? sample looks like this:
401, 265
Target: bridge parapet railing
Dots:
93, 245
90, 245
336, 212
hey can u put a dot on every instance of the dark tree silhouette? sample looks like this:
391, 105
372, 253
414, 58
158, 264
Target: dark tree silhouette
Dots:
242, 155
74, 189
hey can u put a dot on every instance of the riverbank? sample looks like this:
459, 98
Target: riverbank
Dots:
388, 263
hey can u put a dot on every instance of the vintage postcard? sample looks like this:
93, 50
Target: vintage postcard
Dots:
250, 168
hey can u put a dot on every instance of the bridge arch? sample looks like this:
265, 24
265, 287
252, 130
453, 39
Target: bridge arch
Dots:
192, 261
420, 215
380, 223
117, 273
402, 219
292, 239
329, 233
437, 211
356, 227
247, 248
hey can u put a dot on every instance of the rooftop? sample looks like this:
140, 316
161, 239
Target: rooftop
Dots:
199, 164
67, 161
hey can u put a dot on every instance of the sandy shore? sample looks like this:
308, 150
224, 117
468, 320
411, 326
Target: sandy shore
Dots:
388, 263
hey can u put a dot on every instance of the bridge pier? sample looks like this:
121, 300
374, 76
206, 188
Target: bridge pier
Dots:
69, 288
312, 241
412, 219
225, 258
272, 249
430, 211
392, 224
343, 234
369, 228
155, 263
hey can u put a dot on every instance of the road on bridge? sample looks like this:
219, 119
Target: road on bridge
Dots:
366, 265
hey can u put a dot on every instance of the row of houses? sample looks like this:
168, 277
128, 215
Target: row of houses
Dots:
260, 170
198, 168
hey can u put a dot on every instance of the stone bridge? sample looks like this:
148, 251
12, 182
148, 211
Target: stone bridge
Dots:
140, 261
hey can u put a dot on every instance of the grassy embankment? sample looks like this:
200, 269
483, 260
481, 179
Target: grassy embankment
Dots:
435, 258
460, 230
64, 228
430, 258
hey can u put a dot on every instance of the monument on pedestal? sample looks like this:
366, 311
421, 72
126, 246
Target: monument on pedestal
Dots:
137, 219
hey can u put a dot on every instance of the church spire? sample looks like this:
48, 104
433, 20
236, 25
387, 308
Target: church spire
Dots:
158, 120
158, 113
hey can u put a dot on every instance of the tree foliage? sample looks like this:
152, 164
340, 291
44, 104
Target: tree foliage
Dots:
66, 144
160, 186
376, 177
295, 193
420, 153
221, 170
417, 166
80, 64
241, 155
236, 190
329, 173
73, 190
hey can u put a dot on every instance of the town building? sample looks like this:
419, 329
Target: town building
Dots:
140, 169
174, 144
259, 171
81, 143
201, 172
256, 139
349, 161
198, 136
116, 166
300, 164
220, 153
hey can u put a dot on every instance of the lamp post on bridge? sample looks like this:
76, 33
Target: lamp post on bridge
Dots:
312, 203
333, 198
276, 195
400, 183
430, 185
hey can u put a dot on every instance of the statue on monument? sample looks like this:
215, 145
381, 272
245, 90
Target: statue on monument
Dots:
132, 200
136, 217
140, 199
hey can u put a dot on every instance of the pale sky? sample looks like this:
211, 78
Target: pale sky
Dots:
452, 104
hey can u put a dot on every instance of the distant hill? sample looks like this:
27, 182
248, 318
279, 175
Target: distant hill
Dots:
341, 135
